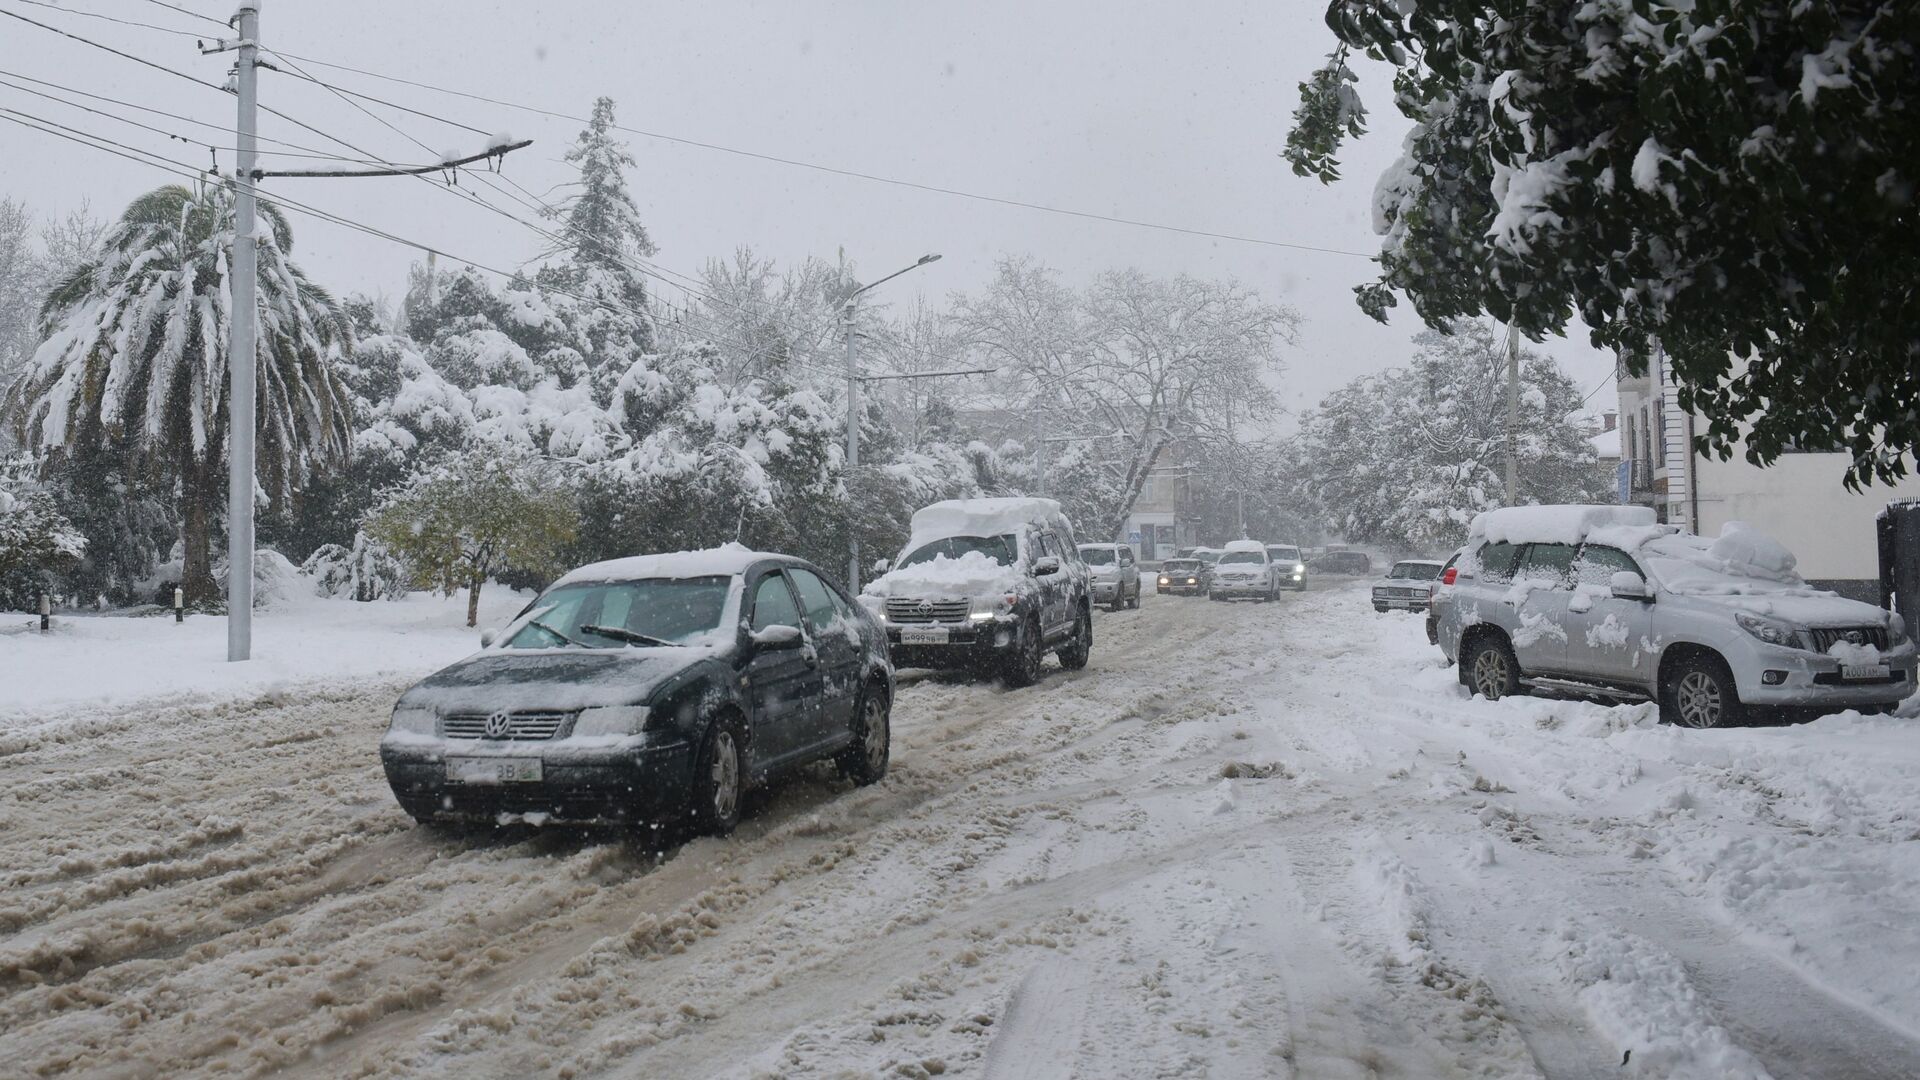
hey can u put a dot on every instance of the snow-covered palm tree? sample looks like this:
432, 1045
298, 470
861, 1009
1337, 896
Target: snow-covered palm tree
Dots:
136, 349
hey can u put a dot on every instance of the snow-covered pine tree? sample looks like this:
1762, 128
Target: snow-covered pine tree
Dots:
136, 349
596, 259
1731, 182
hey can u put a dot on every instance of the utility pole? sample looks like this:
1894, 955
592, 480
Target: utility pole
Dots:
853, 413
1513, 414
240, 352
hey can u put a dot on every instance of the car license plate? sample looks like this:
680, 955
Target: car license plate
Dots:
1864, 671
924, 635
493, 770
1400, 603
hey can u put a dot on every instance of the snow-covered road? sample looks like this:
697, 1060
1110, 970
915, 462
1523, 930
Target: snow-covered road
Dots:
1246, 841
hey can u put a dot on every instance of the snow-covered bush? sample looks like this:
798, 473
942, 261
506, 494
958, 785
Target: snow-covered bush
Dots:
364, 571
35, 540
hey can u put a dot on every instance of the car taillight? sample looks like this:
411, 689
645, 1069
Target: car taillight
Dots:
1447, 578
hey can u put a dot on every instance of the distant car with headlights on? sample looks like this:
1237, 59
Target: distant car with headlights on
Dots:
1113, 574
1289, 566
1408, 586
645, 689
1244, 571
1184, 577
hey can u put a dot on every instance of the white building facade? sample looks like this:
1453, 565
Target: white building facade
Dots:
1800, 499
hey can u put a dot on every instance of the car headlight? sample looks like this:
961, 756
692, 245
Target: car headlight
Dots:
1773, 632
1896, 629
984, 609
413, 720
1299, 568
611, 720
1163, 580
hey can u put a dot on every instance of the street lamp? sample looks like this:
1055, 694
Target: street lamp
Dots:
853, 414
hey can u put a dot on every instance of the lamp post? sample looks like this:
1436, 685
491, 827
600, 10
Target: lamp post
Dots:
853, 414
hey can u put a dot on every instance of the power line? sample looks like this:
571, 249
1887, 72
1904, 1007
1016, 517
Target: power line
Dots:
109, 18
185, 11
853, 173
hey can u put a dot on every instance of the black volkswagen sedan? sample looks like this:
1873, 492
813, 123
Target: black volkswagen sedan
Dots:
643, 689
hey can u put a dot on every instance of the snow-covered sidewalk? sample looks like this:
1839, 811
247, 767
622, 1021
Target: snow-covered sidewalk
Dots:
1249, 841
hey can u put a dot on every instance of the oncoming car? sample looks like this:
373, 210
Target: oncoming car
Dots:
1184, 577
645, 689
1601, 600
1244, 571
1113, 573
1289, 566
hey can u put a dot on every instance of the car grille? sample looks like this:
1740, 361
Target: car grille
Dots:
1401, 594
1825, 637
524, 726
902, 609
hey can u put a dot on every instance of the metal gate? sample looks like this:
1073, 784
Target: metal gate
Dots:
1900, 560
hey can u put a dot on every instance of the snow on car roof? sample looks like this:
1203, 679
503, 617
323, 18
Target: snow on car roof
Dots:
724, 561
1418, 562
1554, 524
984, 517
1246, 545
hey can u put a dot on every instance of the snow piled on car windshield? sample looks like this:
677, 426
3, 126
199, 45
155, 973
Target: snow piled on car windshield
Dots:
970, 575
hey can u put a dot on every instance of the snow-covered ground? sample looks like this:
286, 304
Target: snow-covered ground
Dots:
299, 641
1253, 841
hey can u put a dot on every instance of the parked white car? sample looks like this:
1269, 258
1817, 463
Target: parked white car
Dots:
1601, 600
1244, 570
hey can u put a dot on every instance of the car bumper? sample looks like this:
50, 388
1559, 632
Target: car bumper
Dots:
1238, 588
1105, 590
1814, 681
1184, 588
1400, 603
968, 644
632, 781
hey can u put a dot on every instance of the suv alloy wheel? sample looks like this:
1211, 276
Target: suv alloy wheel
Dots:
1700, 694
1489, 668
1023, 666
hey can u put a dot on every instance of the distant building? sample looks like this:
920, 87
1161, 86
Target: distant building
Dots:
1800, 499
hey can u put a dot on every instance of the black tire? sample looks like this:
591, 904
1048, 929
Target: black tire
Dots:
1073, 655
718, 788
1379, 609
1489, 668
864, 761
1698, 692
1119, 600
1023, 664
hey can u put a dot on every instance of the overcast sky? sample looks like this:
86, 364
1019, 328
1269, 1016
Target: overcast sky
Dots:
1156, 112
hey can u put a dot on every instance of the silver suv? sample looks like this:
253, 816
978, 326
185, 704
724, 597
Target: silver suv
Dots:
1602, 601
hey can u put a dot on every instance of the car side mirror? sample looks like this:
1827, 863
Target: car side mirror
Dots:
1045, 565
776, 637
488, 637
1627, 585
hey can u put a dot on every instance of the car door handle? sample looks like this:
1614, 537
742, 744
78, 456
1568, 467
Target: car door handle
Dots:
811, 656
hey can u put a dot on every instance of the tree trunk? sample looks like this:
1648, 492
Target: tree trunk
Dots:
473, 597
1135, 483
196, 570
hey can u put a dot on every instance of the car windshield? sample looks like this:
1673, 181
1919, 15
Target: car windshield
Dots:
1417, 571
1095, 555
1232, 558
1180, 566
1284, 554
1207, 558
620, 614
1002, 549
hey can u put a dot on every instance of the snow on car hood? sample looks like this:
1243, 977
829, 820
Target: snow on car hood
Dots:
562, 679
971, 575
1744, 568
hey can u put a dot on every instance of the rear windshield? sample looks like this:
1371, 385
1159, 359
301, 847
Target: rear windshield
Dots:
1001, 549
1234, 557
609, 614
1416, 571
1098, 556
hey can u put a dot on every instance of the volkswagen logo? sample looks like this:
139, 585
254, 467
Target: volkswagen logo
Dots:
924, 607
499, 725
1855, 637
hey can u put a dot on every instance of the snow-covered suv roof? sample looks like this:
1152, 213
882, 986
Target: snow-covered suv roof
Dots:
985, 517
1553, 524
1247, 545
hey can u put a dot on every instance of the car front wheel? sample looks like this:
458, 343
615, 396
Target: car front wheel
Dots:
1073, 655
1700, 693
1023, 667
1490, 669
719, 777
864, 761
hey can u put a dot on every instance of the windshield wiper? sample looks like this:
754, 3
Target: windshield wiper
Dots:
543, 626
619, 633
